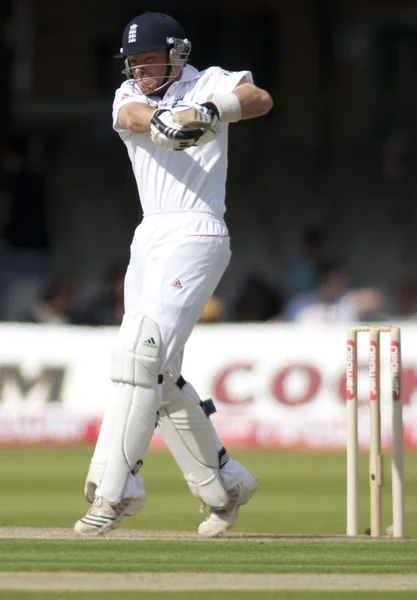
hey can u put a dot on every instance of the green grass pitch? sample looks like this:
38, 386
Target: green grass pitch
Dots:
299, 494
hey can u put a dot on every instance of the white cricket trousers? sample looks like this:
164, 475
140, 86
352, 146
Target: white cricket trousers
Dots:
176, 262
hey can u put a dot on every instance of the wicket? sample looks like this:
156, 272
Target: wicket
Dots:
376, 470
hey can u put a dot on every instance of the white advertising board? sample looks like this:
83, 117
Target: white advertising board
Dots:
274, 385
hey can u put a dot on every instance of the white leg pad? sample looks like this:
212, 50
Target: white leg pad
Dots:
134, 488
135, 368
189, 436
93, 480
101, 451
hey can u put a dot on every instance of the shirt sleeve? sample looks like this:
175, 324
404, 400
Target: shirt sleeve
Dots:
228, 80
124, 95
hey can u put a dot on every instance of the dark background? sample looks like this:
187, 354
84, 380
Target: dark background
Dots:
337, 152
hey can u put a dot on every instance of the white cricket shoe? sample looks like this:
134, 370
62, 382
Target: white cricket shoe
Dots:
102, 516
220, 519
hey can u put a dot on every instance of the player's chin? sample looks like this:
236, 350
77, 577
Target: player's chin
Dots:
147, 86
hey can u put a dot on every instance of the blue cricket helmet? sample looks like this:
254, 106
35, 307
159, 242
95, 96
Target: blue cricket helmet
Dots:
155, 31
150, 31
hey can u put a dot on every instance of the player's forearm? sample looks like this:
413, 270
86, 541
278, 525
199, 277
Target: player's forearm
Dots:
245, 102
254, 101
136, 117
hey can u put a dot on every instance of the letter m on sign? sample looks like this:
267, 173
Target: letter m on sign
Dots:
50, 380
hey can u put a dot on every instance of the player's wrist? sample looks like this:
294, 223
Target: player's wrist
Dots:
212, 107
228, 107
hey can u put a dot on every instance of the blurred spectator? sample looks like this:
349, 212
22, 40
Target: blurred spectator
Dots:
258, 300
24, 256
302, 274
55, 304
332, 301
404, 299
213, 311
107, 307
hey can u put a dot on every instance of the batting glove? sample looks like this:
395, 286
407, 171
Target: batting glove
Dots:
169, 135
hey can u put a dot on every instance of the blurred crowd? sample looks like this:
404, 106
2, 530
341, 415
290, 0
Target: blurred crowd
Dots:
315, 288
30, 288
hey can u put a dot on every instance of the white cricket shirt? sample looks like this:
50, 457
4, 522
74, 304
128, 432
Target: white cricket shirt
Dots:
189, 180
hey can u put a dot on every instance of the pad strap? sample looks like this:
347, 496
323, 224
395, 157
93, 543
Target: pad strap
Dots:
180, 382
223, 457
136, 467
208, 407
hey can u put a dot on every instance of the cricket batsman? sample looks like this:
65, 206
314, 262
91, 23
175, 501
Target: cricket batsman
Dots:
173, 120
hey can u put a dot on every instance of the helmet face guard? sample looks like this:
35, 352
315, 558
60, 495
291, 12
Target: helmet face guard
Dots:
179, 51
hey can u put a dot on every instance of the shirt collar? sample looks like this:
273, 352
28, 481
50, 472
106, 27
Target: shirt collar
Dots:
189, 73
